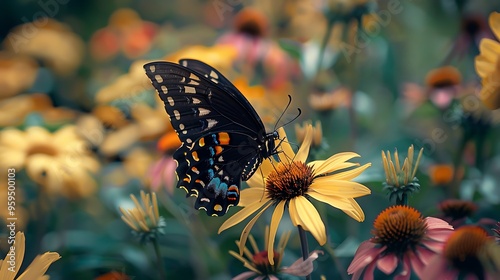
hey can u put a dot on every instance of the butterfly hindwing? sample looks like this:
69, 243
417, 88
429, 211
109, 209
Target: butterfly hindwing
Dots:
223, 138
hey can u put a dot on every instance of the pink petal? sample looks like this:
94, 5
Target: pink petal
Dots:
435, 246
425, 254
303, 267
435, 223
367, 252
406, 272
369, 271
388, 263
417, 263
439, 234
244, 275
438, 268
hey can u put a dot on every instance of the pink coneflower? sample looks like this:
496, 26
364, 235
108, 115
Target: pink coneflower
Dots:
403, 241
469, 253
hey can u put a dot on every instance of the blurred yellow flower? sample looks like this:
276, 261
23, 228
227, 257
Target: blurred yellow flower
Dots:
300, 132
291, 183
324, 101
53, 42
14, 110
488, 65
17, 73
59, 162
219, 57
35, 271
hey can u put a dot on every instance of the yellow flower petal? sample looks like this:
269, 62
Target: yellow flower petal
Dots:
273, 228
346, 205
350, 174
333, 187
248, 227
39, 266
5, 273
242, 214
257, 181
308, 217
306, 145
13, 138
287, 152
494, 22
486, 62
251, 195
332, 163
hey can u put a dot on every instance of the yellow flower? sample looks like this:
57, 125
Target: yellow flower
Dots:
290, 184
488, 65
300, 132
35, 271
60, 162
144, 219
52, 42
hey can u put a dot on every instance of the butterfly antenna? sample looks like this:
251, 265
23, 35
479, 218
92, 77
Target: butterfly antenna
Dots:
283, 113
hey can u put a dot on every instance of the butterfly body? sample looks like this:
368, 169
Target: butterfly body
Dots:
223, 139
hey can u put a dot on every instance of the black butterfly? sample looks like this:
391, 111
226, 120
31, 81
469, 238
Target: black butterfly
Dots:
223, 139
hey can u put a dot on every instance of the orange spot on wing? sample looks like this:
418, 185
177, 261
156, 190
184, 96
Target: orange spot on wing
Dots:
223, 138
218, 150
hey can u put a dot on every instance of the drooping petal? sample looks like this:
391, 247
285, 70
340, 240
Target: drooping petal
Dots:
242, 214
367, 252
350, 174
308, 217
329, 186
347, 205
306, 145
273, 228
388, 263
417, 263
303, 267
39, 266
438, 269
246, 230
332, 163
405, 273
251, 195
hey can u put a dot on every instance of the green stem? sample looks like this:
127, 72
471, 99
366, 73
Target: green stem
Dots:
324, 43
403, 201
304, 246
161, 268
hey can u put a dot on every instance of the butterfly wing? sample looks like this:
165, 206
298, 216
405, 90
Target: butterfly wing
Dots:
220, 131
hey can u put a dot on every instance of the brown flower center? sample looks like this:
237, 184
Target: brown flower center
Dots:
251, 22
457, 209
400, 228
42, 148
262, 264
463, 249
289, 180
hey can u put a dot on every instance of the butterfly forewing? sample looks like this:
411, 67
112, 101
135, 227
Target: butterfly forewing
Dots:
223, 138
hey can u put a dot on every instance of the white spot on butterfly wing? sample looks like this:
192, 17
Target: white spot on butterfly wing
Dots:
158, 78
203, 111
170, 101
214, 75
196, 100
181, 126
152, 68
189, 89
211, 123
165, 90
177, 115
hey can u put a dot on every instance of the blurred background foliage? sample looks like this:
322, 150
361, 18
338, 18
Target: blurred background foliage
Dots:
370, 71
